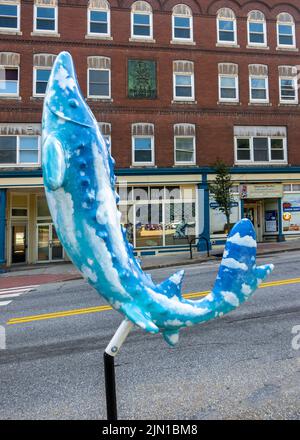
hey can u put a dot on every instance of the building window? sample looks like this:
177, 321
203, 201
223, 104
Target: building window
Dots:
9, 16
288, 85
9, 74
183, 81
99, 77
286, 31
228, 88
105, 129
260, 145
45, 16
41, 71
226, 26
257, 34
182, 23
259, 87
19, 150
184, 144
141, 20
143, 144
99, 18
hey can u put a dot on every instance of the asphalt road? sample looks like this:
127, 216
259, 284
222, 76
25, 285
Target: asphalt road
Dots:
240, 366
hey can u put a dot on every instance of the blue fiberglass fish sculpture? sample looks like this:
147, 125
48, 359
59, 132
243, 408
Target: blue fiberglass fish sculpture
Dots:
79, 180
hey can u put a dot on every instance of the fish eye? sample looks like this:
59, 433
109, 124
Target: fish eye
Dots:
73, 103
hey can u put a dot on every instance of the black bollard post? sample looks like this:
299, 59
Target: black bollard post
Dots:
110, 387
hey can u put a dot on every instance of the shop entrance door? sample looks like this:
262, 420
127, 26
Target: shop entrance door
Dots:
49, 246
19, 244
253, 212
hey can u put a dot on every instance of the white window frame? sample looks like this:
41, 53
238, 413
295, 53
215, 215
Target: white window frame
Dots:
45, 31
184, 98
88, 84
174, 38
13, 95
221, 75
193, 162
251, 161
17, 29
35, 68
259, 101
250, 43
22, 164
295, 81
134, 163
141, 37
97, 34
224, 42
286, 46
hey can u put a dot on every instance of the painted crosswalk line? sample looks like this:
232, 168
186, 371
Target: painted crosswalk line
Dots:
14, 292
4, 303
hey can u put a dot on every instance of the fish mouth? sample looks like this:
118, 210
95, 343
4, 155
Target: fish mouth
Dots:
63, 95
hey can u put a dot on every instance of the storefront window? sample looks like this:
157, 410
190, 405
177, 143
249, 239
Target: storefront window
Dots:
291, 209
218, 223
42, 207
157, 215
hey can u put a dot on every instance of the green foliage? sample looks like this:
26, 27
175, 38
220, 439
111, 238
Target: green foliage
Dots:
221, 189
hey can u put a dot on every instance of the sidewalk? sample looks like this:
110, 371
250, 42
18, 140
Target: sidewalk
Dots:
58, 272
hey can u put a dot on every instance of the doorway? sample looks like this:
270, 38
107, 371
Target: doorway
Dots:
49, 246
254, 212
19, 244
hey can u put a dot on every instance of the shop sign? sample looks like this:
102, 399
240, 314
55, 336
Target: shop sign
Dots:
261, 191
215, 205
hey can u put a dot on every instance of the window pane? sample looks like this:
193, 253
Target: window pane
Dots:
8, 10
256, 28
42, 74
142, 143
228, 82
142, 156
45, 12
184, 92
260, 148
141, 19
285, 40
8, 22
98, 90
141, 30
226, 36
183, 80
184, 149
182, 21
8, 149
98, 28
257, 38
28, 157
11, 74
228, 93
225, 25
277, 152
182, 33
243, 149
47, 25
29, 143
8, 87
285, 29
98, 16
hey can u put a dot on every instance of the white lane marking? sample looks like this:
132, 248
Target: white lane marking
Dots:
4, 303
20, 287
11, 295
20, 291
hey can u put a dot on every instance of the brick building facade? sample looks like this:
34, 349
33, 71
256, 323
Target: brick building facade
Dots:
173, 86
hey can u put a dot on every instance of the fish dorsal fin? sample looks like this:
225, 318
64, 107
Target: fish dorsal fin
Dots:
172, 286
54, 163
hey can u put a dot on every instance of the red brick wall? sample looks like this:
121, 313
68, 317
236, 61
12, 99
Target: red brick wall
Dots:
214, 121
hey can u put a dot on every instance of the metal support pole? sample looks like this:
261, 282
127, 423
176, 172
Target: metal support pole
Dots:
109, 367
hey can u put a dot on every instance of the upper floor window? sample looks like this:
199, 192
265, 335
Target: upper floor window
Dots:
288, 84
10, 16
260, 144
228, 82
45, 16
141, 20
105, 128
183, 81
226, 26
184, 144
259, 85
17, 150
99, 18
257, 33
42, 65
142, 144
286, 31
9, 74
99, 72
182, 23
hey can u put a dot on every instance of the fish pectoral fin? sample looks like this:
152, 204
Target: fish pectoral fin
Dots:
139, 318
261, 272
54, 163
172, 286
171, 337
